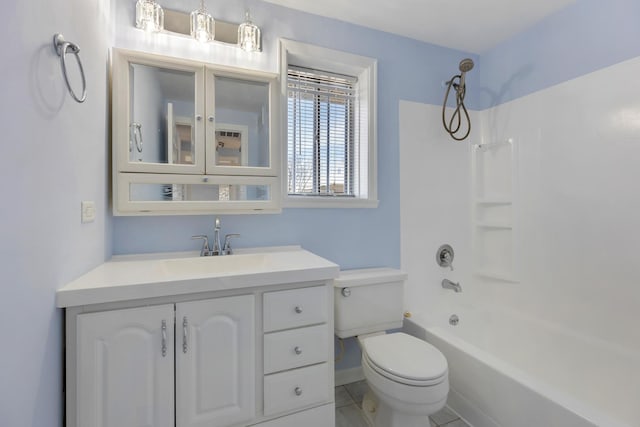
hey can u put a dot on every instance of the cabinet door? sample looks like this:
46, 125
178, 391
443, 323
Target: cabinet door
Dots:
241, 124
158, 114
125, 366
215, 362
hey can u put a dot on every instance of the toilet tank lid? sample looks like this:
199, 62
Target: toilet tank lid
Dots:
368, 276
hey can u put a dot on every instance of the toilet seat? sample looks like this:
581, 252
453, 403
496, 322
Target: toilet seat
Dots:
405, 359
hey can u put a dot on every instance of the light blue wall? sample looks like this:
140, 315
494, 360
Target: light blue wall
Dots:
353, 238
583, 37
54, 154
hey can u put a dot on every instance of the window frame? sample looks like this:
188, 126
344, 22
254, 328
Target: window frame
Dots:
365, 70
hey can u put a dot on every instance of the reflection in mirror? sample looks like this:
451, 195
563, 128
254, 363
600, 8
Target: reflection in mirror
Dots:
197, 192
242, 116
231, 145
162, 103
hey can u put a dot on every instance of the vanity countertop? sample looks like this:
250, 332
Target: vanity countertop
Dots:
133, 277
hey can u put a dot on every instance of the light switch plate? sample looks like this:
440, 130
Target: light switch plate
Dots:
88, 209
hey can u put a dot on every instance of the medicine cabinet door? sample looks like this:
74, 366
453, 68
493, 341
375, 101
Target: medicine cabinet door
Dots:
158, 114
240, 124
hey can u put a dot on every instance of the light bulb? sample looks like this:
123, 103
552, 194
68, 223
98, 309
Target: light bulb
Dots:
202, 25
149, 16
249, 35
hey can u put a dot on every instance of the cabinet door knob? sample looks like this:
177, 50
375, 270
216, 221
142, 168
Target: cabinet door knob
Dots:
298, 391
298, 309
199, 118
298, 350
210, 118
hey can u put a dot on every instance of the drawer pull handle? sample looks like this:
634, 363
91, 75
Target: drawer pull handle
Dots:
298, 350
298, 391
298, 309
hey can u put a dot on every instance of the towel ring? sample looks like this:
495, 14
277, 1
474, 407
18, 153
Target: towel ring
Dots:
62, 47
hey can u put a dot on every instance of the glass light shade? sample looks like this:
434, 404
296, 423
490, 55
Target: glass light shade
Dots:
202, 25
249, 35
149, 16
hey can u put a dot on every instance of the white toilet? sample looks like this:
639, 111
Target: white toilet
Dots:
408, 377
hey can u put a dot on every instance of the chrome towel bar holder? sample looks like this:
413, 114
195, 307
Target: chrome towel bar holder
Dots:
62, 47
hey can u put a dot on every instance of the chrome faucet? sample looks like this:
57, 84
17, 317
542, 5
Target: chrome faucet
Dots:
226, 249
216, 238
217, 248
205, 251
448, 284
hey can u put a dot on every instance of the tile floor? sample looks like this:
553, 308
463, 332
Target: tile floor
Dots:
349, 409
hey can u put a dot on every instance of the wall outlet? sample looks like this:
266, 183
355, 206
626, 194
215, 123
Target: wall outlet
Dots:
88, 209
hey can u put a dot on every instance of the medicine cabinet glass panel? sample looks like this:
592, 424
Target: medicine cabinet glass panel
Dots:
242, 122
162, 115
158, 108
140, 194
197, 192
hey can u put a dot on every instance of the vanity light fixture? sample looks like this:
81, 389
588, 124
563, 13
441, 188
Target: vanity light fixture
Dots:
249, 35
149, 16
202, 24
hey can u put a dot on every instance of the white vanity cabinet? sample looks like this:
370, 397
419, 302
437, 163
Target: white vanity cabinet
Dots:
215, 362
252, 347
125, 365
124, 368
296, 362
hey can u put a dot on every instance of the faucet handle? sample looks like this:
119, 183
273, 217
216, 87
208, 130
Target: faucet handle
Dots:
205, 251
226, 249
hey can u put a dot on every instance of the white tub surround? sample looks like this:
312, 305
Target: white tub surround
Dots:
507, 370
574, 196
192, 341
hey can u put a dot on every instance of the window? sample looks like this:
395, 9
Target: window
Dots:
330, 120
320, 132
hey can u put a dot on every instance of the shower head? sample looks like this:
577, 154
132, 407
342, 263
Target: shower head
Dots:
466, 65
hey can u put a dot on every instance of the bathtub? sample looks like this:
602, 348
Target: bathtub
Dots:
507, 370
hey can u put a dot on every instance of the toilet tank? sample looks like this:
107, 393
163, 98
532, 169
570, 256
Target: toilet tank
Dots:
368, 300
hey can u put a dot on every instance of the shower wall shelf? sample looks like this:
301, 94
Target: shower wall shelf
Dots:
493, 210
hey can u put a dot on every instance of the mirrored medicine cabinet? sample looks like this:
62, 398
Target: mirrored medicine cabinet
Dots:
192, 138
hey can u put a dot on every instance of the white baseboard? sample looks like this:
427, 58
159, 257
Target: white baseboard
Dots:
348, 376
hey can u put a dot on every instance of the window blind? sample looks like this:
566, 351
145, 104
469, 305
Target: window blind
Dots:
321, 146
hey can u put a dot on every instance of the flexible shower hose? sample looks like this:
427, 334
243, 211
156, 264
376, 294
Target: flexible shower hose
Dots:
453, 125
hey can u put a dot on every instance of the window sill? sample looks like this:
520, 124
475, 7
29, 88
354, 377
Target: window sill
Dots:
327, 202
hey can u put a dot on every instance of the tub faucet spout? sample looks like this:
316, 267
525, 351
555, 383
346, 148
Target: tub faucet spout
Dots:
448, 284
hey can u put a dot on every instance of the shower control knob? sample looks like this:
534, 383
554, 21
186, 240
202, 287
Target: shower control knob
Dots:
444, 256
346, 292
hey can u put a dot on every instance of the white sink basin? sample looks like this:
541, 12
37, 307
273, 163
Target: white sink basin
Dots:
216, 265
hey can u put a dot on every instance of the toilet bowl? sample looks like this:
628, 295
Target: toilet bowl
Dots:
408, 379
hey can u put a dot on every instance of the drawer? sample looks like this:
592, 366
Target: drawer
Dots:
322, 416
295, 348
297, 388
295, 308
